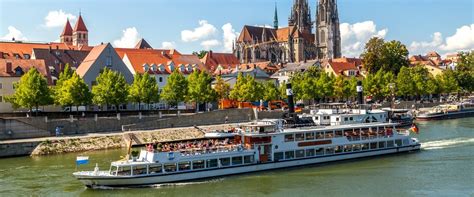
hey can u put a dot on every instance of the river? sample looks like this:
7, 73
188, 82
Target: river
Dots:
444, 167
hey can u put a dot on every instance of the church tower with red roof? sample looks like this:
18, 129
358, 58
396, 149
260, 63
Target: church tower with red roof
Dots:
80, 33
66, 35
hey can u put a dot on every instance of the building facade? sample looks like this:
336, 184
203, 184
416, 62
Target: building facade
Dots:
294, 43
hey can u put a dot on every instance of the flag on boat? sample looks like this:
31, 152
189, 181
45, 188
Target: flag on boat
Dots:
414, 128
81, 160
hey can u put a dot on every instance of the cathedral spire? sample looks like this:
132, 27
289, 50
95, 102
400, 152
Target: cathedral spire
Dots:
275, 18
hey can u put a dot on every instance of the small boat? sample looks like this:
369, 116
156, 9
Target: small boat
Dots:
256, 146
448, 111
403, 117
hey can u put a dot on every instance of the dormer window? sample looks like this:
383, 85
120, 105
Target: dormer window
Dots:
161, 67
181, 67
56, 61
171, 66
27, 56
189, 68
146, 67
19, 71
108, 61
58, 53
153, 67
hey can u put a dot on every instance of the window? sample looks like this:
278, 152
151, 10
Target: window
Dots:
108, 61
338, 149
237, 160
337, 119
348, 148
27, 56
329, 134
299, 153
310, 152
299, 136
390, 144
146, 68
373, 145
250, 159
329, 150
225, 161
170, 167
289, 138
319, 135
56, 61
212, 163
153, 67
382, 144
338, 133
351, 118
58, 53
198, 164
183, 166
406, 141
398, 143
289, 154
365, 146
319, 151
278, 156
124, 171
137, 170
155, 169
309, 136
356, 147
160, 79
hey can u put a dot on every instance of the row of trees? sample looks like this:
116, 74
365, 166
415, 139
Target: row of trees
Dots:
111, 89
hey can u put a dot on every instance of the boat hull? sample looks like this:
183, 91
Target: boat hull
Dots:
219, 172
449, 115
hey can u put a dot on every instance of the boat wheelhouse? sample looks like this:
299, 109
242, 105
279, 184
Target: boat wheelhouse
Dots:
403, 117
256, 146
340, 114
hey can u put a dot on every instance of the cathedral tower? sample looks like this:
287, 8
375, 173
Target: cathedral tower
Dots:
275, 18
328, 35
66, 36
301, 16
80, 34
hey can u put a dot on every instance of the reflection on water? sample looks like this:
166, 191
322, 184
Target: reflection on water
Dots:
443, 168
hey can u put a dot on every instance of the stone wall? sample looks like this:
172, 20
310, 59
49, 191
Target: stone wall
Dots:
17, 149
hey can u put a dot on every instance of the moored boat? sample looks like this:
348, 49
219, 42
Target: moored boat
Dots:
448, 111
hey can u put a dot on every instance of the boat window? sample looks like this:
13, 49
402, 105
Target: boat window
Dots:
398, 143
310, 136
338, 149
170, 167
299, 136
365, 146
351, 118
348, 148
137, 170
289, 154
319, 135
356, 147
124, 171
155, 169
249, 158
390, 144
346, 119
320, 151
329, 150
212, 163
406, 141
225, 161
278, 156
329, 134
316, 118
289, 138
237, 160
198, 164
183, 166
373, 145
299, 153
339, 133
310, 152
382, 144
337, 119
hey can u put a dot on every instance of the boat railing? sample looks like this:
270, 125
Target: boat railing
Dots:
220, 149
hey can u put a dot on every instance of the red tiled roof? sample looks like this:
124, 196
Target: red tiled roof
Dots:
226, 60
80, 25
67, 31
10, 49
340, 67
58, 58
357, 61
25, 65
433, 54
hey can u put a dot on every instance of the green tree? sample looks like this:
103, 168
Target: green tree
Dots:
65, 75
31, 91
432, 86
79, 91
251, 90
222, 88
199, 88
176, 89
386, 56
111, 89
372, 57
448, 82
388, 84
143, 90
420, 76
405, 83
339, 87
465, 71
237, 92
270, 91
200, 54
351, 88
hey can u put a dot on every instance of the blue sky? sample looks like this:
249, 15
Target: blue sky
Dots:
442, 25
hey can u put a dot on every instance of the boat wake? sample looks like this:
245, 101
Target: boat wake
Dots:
441, 144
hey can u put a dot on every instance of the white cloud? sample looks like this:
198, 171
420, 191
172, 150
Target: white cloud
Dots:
229, 37
354, 36
13, 33
129, 39
205, 30
462, 40
168, 45
57, 18
210, 44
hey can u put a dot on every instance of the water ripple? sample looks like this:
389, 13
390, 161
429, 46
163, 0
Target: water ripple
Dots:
448, 143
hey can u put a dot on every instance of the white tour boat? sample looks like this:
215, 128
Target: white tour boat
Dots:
256, 146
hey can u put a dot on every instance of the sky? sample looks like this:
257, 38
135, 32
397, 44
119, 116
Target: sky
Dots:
445, 26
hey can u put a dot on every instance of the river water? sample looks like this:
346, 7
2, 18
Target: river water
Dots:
444, 167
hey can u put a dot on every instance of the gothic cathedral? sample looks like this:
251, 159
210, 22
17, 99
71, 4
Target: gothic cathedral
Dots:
294, 43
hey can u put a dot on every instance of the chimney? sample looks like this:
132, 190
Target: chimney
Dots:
57, 47
61, 68
49, 48
291, 102
210, 53
360, 94
8, 68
